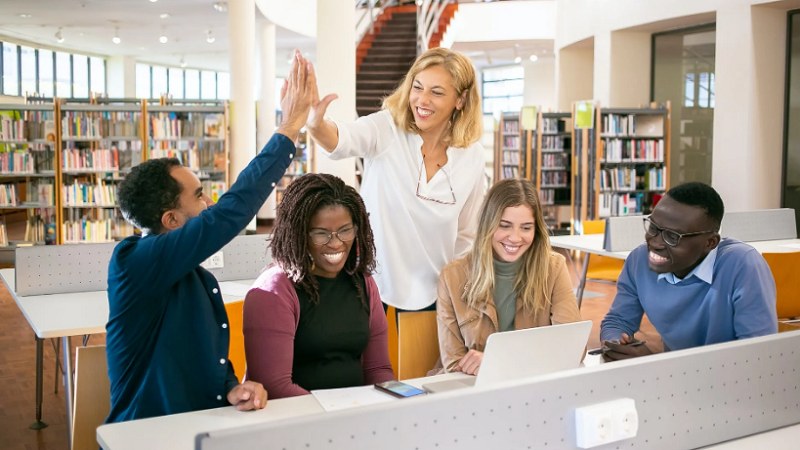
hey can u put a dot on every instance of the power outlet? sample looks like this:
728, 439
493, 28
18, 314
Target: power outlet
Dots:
604, 423
216, 261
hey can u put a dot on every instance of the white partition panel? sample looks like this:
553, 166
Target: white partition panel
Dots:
760, 225
623, 233
245, 257
685, 400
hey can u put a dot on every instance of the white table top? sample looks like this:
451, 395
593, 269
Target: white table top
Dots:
786, 437
78, 313
177, 432
593, 243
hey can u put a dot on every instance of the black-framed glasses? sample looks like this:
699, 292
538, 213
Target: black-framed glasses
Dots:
419, 180
670, 237
320, 237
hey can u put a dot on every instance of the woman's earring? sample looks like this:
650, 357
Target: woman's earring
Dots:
358, 258
313, 264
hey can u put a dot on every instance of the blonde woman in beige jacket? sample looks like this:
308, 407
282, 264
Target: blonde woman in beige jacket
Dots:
510, 280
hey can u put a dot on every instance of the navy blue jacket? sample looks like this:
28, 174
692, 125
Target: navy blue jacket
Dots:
167, 333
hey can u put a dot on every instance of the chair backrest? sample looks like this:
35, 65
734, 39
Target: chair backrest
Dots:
594, 226
759, 225
418, 346
623, 233
92, 396
236, 353
784, 271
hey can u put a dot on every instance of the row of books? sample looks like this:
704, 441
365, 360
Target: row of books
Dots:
511, 142
553, 160
36, 194
40, 229
553, 125
554, 179
76, 124
635, 150
547, 196
99, 159
624, 204
510, 172
510, 157
188, 158
17, 163
3, 235
511, 126
169, 125
26, 130
555, 143
215, 189
298, 167
619, 125
8, 195
88, 231
120, 227
87, 194
628, 179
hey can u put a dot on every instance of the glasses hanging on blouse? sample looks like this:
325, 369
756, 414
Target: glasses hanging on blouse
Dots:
442, 202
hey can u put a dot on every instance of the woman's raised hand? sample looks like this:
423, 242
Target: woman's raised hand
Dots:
316, 116
297, 96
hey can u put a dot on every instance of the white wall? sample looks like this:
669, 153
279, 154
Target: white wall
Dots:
574, 75
299, 16
540, 84
503, 21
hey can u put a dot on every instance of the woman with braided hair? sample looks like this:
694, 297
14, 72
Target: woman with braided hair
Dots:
314, 320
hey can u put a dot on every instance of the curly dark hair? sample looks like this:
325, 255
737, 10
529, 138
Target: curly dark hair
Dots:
701, 196
149, 191
301, 200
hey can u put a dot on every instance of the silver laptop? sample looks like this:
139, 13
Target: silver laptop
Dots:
525, 353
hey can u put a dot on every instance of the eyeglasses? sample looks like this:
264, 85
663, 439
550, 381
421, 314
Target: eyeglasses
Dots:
419, 178
670, 237
323, 237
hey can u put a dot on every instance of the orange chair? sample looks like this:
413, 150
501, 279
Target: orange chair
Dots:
418, 348
601, 267
784, 270
391, 319
236, 347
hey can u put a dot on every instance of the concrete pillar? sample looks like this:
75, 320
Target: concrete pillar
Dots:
336, 73
748, 114
602, 68
242, 25
265, 125
629, 85
575, 74
121, 77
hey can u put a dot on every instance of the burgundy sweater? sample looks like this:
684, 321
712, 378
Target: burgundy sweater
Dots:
271, 316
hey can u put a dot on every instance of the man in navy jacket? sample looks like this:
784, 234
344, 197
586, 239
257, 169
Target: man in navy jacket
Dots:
167, 333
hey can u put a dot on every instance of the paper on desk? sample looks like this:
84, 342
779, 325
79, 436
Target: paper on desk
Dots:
791, 245
345, 398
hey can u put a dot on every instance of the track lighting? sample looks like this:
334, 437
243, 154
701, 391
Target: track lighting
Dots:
210, 37
116, 38
59, 38
534, 58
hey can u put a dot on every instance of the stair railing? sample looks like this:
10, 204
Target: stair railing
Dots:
428, 14
374, 9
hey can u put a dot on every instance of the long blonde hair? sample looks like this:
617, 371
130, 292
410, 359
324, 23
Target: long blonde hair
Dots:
467, 123
532, 276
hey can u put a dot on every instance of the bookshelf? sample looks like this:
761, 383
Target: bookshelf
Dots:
302, 164
508, 156
553, 162
632, 167
584, 168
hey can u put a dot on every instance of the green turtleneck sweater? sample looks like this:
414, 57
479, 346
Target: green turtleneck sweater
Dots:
505, 297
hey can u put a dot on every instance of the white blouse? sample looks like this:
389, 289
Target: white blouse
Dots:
414, 238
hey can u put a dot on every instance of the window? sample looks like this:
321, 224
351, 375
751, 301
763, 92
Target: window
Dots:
192, 84
176, 83
28, 70
142, 81
502, 89
208, 84
159, 81
80, 76
10, 73
97, 71
46, 73
63, 75
223, 85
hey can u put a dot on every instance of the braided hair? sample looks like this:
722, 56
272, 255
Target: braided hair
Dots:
290, 240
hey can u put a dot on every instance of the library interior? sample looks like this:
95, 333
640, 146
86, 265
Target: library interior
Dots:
188, 187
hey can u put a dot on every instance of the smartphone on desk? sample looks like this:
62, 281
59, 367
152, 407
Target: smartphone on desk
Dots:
398, 389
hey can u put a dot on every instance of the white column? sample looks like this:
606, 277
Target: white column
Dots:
602, 68
540, 83
629, 85
265, 125
748, 113
574, 76
121, 77
242, 25
336, 73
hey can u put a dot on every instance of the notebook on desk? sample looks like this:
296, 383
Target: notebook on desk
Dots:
526, 353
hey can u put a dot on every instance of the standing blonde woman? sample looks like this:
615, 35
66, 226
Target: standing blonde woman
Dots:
424, 171
511, 280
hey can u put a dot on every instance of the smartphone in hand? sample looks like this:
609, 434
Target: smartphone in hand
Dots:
398, 389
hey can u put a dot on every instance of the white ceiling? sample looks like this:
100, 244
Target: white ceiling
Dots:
88, 26
502, 53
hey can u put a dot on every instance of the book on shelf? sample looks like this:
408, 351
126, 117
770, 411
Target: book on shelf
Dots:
88, 231
213, 125
40, 194
88, 159
555, 143
38, 229
510, 125
17, 162
80, 125
553, 178
188, 159
170, 126
511, 157
620, 204
214, 189
87, 194
3, 235
632, 150
553, 125
510, 142
547, 196
8, 195
555, 160
619, 125
120, 124
510, 172
631, 179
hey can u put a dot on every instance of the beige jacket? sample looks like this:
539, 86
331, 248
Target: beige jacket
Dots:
462, 328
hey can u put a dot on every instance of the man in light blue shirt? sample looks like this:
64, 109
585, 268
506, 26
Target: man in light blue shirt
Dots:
696, 288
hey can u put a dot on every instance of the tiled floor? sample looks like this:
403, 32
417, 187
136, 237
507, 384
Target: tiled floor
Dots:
17, 373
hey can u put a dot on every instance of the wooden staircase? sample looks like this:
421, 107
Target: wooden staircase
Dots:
383, 58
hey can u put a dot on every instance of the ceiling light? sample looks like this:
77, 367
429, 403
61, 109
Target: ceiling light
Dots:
116, 38
164, 16
163, 39
153, 1
183, 62
25, 16
488, 58
59, 38
534, 58
517, 58
210, 37
221, 6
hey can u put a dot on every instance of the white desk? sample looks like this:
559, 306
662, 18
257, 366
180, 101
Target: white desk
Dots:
75, 314
782, 438
177, 432
592, 244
